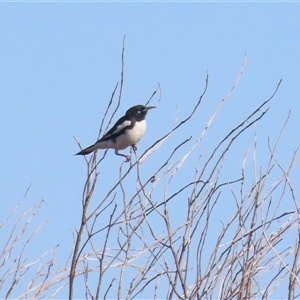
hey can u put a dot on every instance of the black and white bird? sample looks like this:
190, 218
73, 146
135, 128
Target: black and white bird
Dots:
127, 131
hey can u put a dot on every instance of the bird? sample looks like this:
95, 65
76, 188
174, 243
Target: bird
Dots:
127, 131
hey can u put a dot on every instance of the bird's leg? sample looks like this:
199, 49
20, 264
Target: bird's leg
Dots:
128, 157
134, 148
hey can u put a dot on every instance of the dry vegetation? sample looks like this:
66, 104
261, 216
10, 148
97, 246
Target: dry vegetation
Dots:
130, 245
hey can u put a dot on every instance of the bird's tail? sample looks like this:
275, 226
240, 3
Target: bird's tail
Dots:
87, 150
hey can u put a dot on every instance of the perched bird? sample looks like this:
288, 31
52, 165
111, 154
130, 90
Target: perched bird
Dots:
127, 131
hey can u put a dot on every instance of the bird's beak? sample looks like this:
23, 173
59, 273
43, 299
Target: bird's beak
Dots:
149, 107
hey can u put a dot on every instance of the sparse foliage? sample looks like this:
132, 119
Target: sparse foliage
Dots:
134, 243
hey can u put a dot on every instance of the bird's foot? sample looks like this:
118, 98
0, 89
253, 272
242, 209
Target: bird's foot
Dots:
134, 148
128, 158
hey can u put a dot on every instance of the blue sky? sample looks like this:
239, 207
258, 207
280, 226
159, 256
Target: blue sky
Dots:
60, 63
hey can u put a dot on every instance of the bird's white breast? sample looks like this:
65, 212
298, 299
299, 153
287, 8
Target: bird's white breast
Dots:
131, 136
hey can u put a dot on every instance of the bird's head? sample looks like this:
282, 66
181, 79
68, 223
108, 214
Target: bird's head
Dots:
138, 111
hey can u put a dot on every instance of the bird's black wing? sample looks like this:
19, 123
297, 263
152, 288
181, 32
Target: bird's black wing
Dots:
121, 125
119, 128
